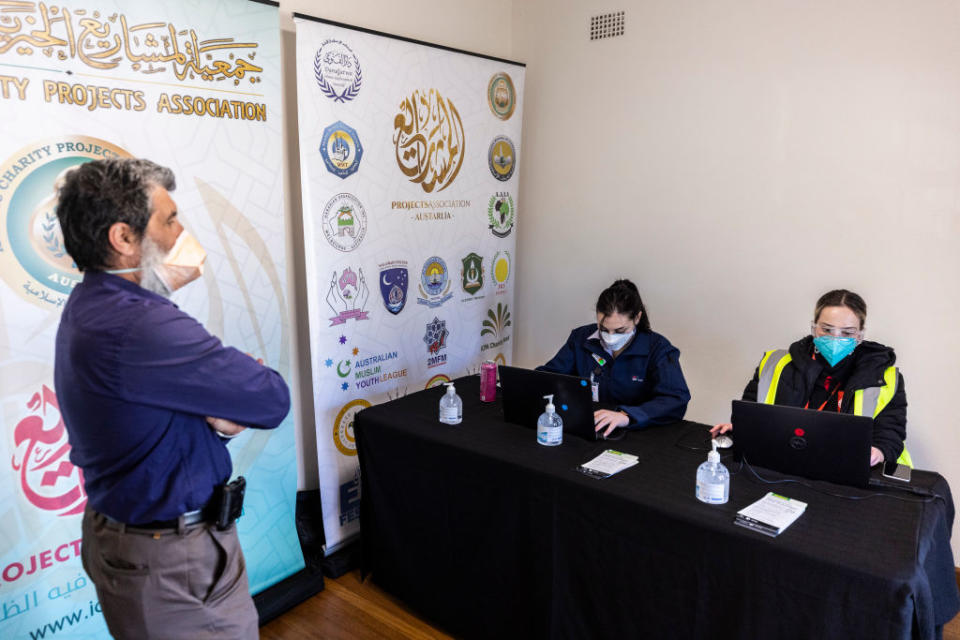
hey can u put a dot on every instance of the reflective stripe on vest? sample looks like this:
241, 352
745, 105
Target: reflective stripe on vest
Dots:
870, 401
770, 369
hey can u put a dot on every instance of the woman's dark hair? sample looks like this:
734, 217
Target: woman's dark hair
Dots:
624, 298
97, 194
842, 298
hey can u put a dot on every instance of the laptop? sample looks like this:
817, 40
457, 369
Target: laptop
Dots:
523, 402
820, 445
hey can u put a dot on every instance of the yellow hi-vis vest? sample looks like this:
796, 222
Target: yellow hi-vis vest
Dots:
870, 401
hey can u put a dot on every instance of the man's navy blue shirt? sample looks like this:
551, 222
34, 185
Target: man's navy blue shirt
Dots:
136, 378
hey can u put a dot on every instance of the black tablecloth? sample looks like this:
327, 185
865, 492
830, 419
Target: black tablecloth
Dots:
486, 533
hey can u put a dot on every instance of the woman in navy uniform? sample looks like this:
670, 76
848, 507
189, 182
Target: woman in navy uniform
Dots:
630, 367
835, 369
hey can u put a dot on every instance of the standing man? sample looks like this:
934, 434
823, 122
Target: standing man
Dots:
150, 399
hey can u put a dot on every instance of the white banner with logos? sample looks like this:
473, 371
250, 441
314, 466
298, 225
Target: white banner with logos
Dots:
408, 156
193, 86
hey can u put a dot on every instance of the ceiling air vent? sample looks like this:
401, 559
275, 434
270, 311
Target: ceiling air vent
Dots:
606, 25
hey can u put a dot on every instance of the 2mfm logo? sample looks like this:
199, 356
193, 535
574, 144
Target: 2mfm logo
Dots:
48, 479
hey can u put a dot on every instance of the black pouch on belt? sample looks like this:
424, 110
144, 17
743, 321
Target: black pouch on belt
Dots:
229, 502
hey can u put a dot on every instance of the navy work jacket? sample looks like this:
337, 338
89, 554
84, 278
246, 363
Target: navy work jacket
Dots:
645, 380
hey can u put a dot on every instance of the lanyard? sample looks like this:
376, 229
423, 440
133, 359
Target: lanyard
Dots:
839, 400
835, 390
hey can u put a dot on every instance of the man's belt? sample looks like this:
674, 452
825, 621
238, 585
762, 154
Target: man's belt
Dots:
189, 518
225, 507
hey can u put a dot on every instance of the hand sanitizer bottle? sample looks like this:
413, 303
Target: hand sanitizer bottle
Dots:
550, 425
713, 479
451, 406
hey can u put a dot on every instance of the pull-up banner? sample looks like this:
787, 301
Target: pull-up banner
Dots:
408, 156
191, 85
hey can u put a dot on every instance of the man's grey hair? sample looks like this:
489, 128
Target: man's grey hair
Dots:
97, 194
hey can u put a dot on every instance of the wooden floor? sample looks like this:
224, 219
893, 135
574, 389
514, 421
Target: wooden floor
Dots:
349, 609
354, 610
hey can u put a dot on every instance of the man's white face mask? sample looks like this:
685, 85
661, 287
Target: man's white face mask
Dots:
164, 273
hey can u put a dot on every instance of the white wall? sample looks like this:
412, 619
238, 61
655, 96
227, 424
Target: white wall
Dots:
736, 160
481, 26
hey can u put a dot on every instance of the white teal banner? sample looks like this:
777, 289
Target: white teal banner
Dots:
408, 156
191, 85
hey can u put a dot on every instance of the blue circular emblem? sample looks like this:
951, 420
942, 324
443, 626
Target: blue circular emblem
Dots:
341, 149
433, 277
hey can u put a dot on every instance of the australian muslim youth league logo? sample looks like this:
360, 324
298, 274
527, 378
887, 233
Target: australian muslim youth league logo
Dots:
343, 436
501, 158
33, 259
500, 271
471, 275
341, 150
434, 282
363, 369
428, 140
501, 96
48, 479
501, 213
394, 277
344, 222
347, 296
337, 71
436, 340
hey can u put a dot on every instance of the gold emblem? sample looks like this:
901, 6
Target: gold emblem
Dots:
343, 436
428, 138
501, 96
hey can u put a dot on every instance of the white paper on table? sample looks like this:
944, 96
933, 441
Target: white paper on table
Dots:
608, 463
774, 510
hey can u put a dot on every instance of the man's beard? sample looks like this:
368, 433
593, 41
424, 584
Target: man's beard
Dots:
151, 257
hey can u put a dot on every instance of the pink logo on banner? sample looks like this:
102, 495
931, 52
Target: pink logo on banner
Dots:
48, 478
347, 296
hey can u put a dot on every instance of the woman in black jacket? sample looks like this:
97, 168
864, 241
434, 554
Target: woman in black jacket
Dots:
835, 369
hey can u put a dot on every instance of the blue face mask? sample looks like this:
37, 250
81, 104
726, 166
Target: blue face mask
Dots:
834, 349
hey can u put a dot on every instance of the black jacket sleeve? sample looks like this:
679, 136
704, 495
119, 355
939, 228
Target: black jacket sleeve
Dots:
750, 391
890, 426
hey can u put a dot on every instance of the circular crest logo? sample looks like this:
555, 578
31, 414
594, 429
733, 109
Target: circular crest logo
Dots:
344, 222
501, 96
343, 436
428, 140
337, 70
33, 259
341, 150
500, 214
501, 269
501, 158
434, 282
